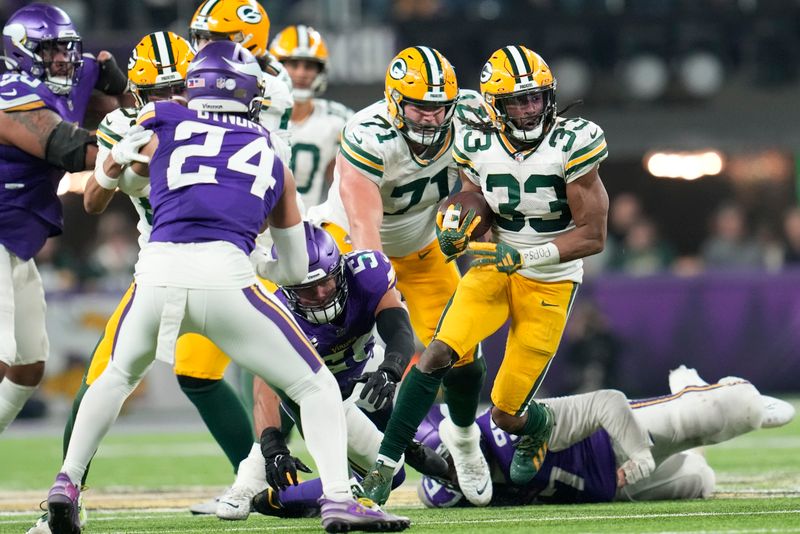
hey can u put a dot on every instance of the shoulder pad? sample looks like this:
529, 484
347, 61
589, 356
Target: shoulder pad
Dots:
147, 114
364, 142
115, 125
583, 142
20, 92
338, 109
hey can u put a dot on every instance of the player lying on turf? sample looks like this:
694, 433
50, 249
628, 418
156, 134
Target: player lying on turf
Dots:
605, 447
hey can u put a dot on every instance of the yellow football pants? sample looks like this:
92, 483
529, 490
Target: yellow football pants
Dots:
483, 302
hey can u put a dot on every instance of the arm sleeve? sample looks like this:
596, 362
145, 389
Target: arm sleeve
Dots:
291, 267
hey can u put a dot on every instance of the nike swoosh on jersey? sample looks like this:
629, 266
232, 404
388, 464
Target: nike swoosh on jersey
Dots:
357, 138
547, 304
423, 255
593, 134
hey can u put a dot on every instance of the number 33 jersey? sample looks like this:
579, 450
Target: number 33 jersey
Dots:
527, 190
410, 187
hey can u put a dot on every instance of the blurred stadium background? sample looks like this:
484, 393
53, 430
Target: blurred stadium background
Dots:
698, 102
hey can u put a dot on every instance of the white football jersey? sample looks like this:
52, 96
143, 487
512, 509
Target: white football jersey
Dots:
112, 128
315, 143
411, 188
276, 109
527, 190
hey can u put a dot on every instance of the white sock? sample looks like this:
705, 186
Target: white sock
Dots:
252, 469
325, 431
99, 410
12, 398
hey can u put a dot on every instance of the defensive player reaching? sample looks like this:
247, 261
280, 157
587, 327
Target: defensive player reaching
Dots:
44, 96
604, 447
343, 300
539, 175
195, 275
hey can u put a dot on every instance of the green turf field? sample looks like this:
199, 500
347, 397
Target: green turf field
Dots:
144, 482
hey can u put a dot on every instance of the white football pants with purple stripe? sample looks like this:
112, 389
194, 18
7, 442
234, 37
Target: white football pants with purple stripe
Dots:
249, 325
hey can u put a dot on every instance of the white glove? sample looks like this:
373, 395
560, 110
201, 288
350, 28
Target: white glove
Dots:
126, 151
638, 467
263, 263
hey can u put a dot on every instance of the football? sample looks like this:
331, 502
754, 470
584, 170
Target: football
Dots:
471, 200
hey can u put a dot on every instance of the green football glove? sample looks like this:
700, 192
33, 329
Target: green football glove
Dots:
454, 238
498, 256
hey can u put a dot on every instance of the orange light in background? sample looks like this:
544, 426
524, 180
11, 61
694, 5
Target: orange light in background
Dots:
73, 182
684, 165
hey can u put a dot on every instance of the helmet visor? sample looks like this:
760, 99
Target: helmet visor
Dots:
427, 122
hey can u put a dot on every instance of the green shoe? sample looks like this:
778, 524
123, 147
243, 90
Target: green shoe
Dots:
531, 450
377, 484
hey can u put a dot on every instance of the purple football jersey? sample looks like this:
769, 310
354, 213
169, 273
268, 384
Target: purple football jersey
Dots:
582, 473
346, 344
213, 177
30, 210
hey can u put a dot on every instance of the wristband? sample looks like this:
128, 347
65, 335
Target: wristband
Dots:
104, 180
542, 255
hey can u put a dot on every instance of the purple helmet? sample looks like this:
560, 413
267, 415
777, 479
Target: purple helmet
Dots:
41, 40
224, 76
320, 298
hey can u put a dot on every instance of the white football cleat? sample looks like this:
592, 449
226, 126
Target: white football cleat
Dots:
683, 377
776, 412
208, 507
474, 477
251, 479
235, 504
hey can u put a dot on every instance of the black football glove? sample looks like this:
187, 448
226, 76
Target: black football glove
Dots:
380, 385
281, 466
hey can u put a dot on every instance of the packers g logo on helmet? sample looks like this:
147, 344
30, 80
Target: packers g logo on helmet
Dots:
398, 69
249, 14
302, 42
242, 21
486, 72
158, 64
520, 77
420, 75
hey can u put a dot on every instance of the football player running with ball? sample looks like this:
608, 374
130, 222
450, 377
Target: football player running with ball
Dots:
539, 174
